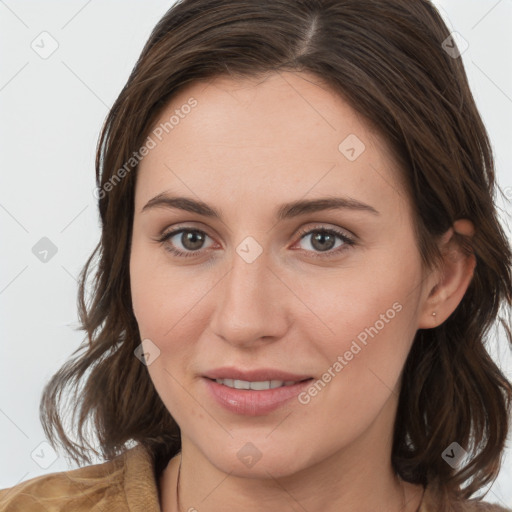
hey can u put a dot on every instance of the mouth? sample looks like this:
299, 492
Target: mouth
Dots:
257, 385
256, 395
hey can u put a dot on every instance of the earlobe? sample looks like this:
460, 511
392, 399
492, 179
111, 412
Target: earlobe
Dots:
453, 278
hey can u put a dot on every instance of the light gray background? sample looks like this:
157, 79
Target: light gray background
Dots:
51, 111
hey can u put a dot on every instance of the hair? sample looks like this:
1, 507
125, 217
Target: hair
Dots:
386, 59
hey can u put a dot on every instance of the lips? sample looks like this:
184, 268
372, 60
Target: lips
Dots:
256, 375
254, 402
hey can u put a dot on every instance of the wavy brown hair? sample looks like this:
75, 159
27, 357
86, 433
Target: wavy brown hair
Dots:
386, 58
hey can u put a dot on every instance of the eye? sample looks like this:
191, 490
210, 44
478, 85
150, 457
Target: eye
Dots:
323, 241
190, 239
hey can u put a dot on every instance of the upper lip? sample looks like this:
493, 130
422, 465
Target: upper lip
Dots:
257, 375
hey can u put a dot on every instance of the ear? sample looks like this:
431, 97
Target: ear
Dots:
448, 284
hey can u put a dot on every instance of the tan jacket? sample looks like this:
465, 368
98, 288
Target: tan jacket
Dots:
128, 483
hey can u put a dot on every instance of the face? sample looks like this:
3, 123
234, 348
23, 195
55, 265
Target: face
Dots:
330, 295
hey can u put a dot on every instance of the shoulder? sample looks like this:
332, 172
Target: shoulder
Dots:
77, 489
118, 484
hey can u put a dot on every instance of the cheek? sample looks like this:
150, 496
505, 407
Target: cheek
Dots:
364, 323
163, 304
162, 298
170, 309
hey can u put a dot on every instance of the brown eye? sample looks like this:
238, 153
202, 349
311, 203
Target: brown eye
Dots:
191, 241
323, 240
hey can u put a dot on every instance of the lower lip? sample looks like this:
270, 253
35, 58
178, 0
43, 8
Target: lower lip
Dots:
250, 402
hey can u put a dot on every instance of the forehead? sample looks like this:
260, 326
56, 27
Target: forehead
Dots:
294, 105
284, 134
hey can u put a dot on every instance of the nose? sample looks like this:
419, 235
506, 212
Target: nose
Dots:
251, 304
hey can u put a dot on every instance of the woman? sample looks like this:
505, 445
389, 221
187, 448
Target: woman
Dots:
299, 264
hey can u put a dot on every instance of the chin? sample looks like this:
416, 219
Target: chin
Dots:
261, 458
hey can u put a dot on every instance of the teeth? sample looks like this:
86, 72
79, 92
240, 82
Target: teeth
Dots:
257, 386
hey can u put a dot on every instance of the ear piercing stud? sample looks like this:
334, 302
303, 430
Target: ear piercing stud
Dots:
434, 313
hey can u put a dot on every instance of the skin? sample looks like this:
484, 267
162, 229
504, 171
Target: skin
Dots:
246, 148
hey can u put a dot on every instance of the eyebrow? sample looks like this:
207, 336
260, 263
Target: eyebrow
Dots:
283, 212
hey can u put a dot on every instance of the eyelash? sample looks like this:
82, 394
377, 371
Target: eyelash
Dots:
348, 241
